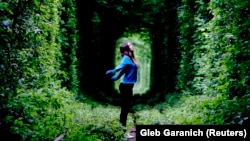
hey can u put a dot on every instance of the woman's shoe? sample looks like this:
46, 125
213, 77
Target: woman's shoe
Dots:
128, 136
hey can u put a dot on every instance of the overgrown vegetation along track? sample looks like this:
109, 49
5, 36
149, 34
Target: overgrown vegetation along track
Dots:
177, 109
91, 121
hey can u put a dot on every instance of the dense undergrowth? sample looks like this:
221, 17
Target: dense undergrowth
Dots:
54, 112
187, 109
47, 113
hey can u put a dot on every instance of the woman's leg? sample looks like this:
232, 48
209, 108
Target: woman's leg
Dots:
126, 91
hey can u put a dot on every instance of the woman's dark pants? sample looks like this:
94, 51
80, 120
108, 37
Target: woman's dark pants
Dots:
126, 91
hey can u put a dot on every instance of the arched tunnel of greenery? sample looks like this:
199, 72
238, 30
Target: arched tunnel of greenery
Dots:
99, 39
194, 61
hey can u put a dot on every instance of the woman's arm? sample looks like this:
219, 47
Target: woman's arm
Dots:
120, 67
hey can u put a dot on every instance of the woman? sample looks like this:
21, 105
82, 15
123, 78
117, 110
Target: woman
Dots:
127, 67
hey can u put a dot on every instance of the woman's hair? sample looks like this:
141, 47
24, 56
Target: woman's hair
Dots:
125, 47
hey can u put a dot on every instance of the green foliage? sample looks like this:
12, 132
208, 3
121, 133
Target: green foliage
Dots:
30, 67
186, 109
214, 47
47, 113
214, 52
186, 20
68, 39
51, 113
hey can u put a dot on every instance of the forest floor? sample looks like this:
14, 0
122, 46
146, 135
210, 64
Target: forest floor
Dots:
92, 121
176, 109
